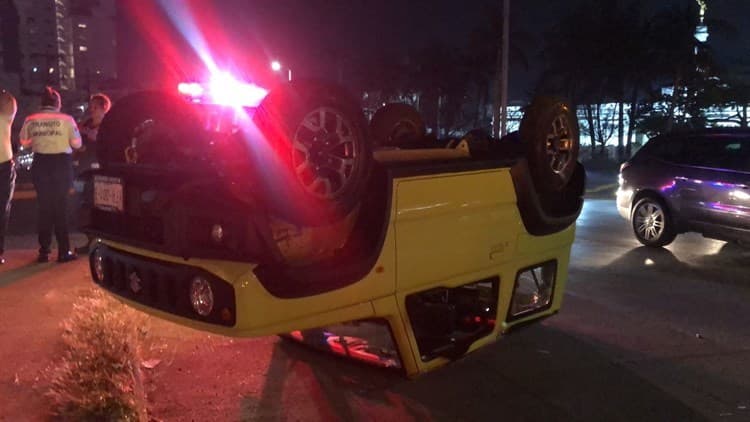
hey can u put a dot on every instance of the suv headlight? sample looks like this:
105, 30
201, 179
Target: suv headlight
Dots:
533, 290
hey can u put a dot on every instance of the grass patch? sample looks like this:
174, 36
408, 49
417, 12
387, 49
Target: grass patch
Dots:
98, 377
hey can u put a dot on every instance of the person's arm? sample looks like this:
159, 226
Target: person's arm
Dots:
25, 139
74, 136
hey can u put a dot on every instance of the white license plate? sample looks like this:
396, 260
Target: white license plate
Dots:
108, 193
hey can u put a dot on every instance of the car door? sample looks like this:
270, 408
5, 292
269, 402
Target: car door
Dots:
665, 170
717, 190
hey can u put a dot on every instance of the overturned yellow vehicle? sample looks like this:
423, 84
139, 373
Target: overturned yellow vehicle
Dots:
442, 247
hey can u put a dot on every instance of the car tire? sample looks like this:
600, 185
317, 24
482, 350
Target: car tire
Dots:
652, 222
320, 157
549, 131
148, 127
397, 125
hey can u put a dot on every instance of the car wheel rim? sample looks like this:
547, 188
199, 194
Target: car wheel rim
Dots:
559, 144
649, 221
324, 152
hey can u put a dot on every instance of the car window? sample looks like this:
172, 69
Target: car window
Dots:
729, 153
667, 149
744, 156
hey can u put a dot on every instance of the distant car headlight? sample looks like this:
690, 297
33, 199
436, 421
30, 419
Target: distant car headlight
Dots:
201, 296
98, 265
533, 290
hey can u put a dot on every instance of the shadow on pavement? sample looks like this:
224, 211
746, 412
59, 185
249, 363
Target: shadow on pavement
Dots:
541, 374
730, 265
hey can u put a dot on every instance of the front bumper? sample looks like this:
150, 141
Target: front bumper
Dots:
624, 202
161, 285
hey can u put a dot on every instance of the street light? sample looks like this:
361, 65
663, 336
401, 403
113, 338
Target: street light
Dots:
276, 67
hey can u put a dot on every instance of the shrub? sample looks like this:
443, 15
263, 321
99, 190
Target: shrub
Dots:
98, 376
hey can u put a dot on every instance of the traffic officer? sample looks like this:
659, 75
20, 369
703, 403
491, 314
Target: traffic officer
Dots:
52, 136
8, 110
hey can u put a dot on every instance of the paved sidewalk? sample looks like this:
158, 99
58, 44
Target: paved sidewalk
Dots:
29, 241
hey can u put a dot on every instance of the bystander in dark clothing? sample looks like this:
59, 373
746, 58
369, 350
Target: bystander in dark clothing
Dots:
8, 110
86, 158
52, 136
99, 105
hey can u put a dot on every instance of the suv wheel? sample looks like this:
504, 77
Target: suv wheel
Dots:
397, 125
549, 129
652, 223
317, 133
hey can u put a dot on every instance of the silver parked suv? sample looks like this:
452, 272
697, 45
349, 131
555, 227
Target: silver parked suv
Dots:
688, 181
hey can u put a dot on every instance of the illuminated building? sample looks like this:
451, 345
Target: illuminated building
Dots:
69, 44
94, 43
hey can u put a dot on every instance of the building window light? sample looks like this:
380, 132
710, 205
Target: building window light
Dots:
82, 25
35, 69
51, 70
83, 48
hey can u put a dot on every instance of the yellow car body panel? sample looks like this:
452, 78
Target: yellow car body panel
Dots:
453, 225
444, 230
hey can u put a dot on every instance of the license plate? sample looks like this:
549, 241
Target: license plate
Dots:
108, 193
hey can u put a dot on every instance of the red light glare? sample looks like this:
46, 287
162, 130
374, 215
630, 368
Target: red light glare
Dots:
191, 89
226, 90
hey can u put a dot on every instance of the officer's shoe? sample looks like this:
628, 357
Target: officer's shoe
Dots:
42, 257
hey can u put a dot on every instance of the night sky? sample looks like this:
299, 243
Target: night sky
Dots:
305, 35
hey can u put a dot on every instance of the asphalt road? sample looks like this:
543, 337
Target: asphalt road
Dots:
675, 317
644, 335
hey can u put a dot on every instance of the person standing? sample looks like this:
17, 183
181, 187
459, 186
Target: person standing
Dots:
99, 105
8, 110
52, 136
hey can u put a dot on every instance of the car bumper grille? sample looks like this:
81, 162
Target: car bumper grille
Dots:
162, 285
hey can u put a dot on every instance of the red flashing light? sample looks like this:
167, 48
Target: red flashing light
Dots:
191, 89
224, 89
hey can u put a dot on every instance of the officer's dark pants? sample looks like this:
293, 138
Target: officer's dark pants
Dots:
7, 184
53, 178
